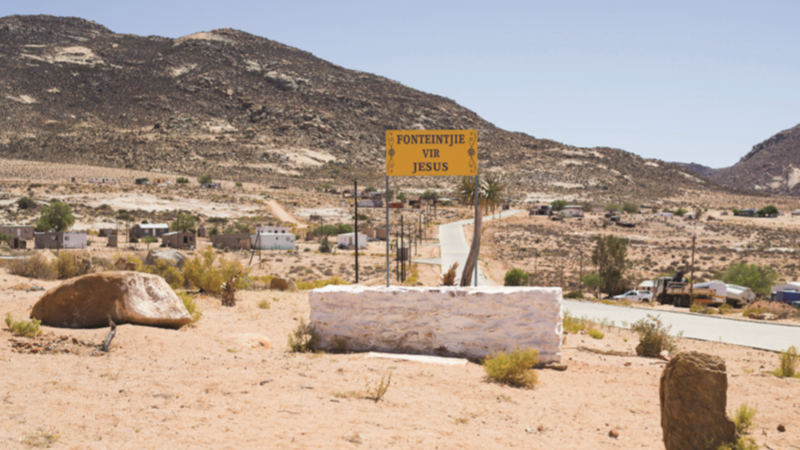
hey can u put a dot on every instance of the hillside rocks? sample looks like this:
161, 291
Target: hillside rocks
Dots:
218, 102
171, 256
693, 396
127, 297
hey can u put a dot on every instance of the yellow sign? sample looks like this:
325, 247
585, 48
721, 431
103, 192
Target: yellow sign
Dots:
431, 153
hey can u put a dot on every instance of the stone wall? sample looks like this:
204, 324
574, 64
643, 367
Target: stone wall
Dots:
468, 322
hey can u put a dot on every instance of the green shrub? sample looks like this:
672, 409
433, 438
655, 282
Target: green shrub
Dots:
238, 184
558, 205
758, 278
740, 444
630, 207
380, 389
516, 277
725, 308
207, 178
304, 338
574, 294
653, 337
680, 212
788, 367
325, 246
191, 305
264, 304
744, 419
514, 368
200, 271
308, 285
572, 325
168, 272
596, 334
26, 203
182, 180
28, 328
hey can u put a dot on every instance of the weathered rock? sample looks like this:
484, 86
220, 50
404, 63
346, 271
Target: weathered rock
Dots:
693, 401
781, 428
124, 264
169, 255
128, 297
613, 433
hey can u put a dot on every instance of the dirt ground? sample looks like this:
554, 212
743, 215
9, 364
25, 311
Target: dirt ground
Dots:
201, 387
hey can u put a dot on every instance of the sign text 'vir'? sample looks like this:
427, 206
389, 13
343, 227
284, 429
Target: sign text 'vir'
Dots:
411, 153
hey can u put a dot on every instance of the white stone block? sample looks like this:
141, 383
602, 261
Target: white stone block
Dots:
468, 322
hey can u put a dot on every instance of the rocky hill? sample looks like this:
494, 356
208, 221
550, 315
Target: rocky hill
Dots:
244, 107
773, 166
700, 169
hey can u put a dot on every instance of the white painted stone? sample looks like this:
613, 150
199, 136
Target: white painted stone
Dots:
468, 322
419, 358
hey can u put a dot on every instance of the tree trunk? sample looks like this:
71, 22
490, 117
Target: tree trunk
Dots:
469, 267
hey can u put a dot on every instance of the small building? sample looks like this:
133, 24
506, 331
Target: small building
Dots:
788, 286
149, 229
234, 241
416, 204
540, 210
348, 240
18, 243
273, 241
665, 214
202, 232
19, 231
396, 205
374, 203
103, 180
796, 213
750, 212
272, 229
161, 182
142, 181
112, 241
211, 185
690, 216
647, 285
178, 239
60, 240
573, 211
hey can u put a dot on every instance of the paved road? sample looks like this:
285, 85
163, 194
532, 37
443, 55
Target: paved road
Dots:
767, 336
455, 247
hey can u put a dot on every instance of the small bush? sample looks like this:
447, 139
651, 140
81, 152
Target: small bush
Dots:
201, 272
191, 306
449, 278
516, 277
182, 180
69, 265
701, 308
744, 419
304, 338
788, 367
572, 325
34, 267
574, 294
325, 246
264, 304
653, 337
26, 203
514, 368
596, 334
740, 444
168, 272
28, 328
725, 308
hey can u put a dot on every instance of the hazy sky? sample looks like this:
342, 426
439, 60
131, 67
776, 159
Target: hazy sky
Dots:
691, 81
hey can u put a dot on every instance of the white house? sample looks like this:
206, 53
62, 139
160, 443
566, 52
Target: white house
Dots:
788, 286
273, 241
271, 229
573, 211
347, 240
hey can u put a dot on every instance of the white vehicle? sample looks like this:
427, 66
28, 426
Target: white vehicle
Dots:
636, 296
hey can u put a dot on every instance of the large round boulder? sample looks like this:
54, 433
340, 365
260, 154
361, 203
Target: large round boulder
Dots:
127, 297
169, 255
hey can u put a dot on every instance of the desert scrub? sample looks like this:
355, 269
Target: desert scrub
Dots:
69, 265
34, 267
28, 328
168, 272
304, 338
701, 308
263, 304
514, 368
744, 419
572, 324
201, 272
574, 294
314, 284
653, 337
788, 364
741, 444
596, 334
725, 308
191, 305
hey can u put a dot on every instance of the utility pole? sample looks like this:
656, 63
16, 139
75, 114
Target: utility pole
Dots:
691, 286
403, 252
580, 273
355, 228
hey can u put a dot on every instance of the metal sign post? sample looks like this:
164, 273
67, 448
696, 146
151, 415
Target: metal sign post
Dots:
417, 153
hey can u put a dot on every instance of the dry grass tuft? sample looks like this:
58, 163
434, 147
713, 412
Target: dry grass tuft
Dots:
788, 366
653, 337
449, 278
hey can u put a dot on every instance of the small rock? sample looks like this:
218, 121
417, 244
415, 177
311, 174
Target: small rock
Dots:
781, 428
628, 364
555, 366
613, 433
664, 355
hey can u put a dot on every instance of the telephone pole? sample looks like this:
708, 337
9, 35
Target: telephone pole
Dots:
691, 280
355, 229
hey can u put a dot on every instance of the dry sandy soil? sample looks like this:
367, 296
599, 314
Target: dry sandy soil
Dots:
200, 388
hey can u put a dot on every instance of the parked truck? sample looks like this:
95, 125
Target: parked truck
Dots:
676, 291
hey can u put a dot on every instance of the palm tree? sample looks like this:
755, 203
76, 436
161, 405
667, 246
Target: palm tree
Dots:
490, 196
